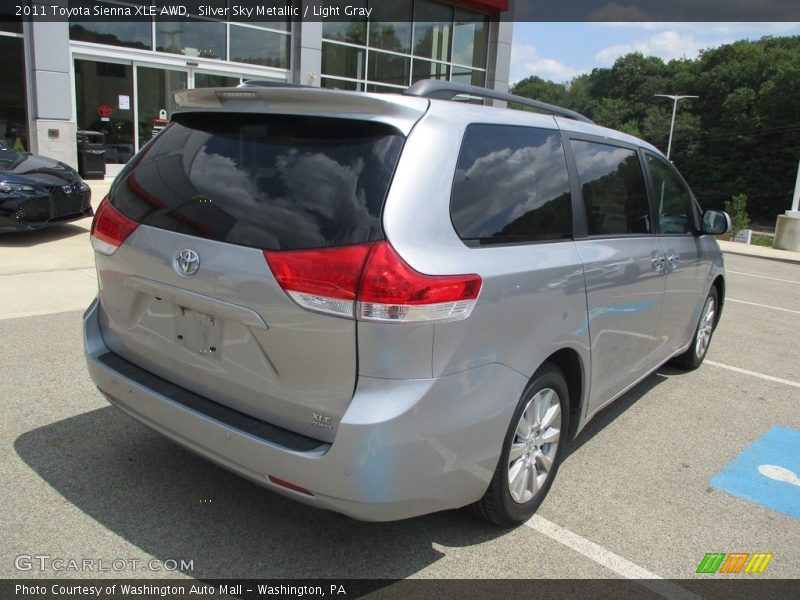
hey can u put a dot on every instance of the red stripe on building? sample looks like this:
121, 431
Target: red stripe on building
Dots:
485, 5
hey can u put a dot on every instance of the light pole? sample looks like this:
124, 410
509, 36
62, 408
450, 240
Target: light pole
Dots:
675, 100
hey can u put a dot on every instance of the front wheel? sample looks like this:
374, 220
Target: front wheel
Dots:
532, 451
694, 356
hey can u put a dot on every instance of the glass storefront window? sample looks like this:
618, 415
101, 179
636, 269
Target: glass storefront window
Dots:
155, 88
432, 28
449, 43
338, 84
259, 47
131, 33
207, 80
425, 69
9, 21
469, 76
13, 118
469, 38
192, 37
343, 61
391, 26
388, 68
354, 33
382, 89
104, 99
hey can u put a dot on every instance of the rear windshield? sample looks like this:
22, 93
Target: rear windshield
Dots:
267, 181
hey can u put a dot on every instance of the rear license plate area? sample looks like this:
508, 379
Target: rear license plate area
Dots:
198, 332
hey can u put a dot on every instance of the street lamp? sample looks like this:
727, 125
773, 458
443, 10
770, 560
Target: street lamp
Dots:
675, 100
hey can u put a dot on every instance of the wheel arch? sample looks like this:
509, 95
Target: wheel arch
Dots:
719, 284
571, 365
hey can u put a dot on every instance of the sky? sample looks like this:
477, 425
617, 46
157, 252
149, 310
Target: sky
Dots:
560, 51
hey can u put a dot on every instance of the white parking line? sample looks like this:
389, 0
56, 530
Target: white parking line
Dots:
762, 276
752, 373
789, 310
611, 561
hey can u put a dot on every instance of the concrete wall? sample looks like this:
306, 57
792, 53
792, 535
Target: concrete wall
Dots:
306, 52
51, 97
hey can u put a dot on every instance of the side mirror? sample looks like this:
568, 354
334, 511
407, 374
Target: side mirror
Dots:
716, 222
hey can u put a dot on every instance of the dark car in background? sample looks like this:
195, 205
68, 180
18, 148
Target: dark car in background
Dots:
36, 191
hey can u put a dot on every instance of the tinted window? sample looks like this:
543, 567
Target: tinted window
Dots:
613, 189
272, 182
671, 197
511, 184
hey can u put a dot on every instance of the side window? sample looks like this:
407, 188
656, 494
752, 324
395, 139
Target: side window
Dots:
511, 185
671, 196
613, 189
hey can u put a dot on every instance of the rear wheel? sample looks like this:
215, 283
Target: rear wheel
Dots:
694, 356
532, 451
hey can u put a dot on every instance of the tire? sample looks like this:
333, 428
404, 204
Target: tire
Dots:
536, 449
694, 356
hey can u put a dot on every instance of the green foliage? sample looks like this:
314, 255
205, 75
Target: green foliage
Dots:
761, 239
742, 135
736, 207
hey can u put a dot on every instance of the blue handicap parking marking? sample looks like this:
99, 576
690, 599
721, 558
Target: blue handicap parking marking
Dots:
767, 472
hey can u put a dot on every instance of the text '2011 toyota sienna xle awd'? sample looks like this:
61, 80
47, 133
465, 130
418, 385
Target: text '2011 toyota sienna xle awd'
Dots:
389, 305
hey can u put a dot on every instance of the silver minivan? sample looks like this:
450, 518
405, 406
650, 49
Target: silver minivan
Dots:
389, 305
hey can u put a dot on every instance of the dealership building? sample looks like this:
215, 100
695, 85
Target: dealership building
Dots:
117, 77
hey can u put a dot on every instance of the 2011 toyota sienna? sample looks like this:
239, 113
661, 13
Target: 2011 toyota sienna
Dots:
389, 305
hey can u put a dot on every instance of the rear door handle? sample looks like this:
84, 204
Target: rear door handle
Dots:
658, 261
673, 259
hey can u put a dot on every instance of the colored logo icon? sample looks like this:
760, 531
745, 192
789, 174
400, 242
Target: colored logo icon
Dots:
734, 562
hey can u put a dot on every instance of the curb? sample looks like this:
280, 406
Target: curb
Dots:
775, 257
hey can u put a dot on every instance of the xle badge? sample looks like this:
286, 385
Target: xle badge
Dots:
321, 421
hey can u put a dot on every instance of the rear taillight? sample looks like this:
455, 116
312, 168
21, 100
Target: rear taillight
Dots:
392, 291
324, 280
373, 283
110, 228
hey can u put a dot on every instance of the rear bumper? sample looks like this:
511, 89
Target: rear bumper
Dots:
403, 448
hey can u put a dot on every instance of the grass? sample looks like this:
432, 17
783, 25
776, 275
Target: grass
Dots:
760, 239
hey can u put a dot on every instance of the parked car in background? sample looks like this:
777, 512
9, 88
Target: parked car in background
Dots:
388, 305
36, 191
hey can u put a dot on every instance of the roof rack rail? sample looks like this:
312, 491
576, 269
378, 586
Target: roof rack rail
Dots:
447, 90
266, 83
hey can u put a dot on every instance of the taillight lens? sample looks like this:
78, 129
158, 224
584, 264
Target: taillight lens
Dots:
392, 291
324, 280
110, 228
371, 282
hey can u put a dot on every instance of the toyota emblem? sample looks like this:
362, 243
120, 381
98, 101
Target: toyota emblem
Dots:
187, 262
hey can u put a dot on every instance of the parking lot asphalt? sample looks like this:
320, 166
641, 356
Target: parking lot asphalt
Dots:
634, 496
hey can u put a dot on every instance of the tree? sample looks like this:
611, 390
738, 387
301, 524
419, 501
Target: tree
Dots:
742, 136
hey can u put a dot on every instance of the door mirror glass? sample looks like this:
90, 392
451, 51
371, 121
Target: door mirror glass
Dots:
716, 222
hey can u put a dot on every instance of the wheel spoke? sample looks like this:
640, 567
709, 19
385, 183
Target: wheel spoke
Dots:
519, 481
544, 461
530, 414
550, 436
542, 405
533, 478
517, 450
553, 413
523, 428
